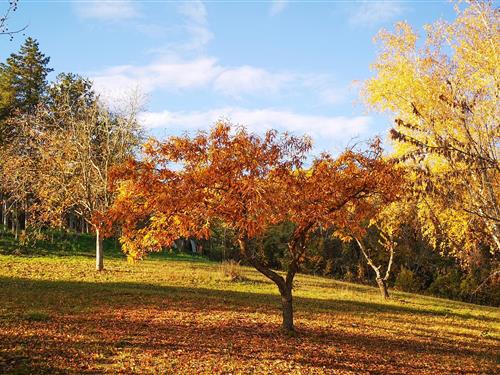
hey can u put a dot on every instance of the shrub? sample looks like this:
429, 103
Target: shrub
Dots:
231, 270
447, 285
407, 281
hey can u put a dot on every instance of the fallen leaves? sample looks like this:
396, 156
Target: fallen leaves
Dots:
170, 316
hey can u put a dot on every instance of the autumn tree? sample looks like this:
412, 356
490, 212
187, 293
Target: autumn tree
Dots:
250, 183
75, 140
443, 93
379, 243
23, 84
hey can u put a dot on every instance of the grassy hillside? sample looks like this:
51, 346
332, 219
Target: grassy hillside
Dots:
179, 314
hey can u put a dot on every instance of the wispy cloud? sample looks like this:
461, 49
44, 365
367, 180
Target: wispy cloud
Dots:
249, 80
373, 13
334, 95
195, 24
323, 129
170, 74
107, 10
174, 73
119, 13
277, 7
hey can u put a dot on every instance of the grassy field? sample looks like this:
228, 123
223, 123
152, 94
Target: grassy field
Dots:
179, 314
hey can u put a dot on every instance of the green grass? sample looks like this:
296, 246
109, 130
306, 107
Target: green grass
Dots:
174, 313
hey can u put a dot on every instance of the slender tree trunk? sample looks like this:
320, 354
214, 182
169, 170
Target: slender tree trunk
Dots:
12, 219
15, 224
381, 281
4, 215
2, 209
99, 251
25, 216
382, 285
287, 307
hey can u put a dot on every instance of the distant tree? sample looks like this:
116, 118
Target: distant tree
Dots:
24, 74
74, 146
72, 92
444, 95
378, 244
249, 183
23, 84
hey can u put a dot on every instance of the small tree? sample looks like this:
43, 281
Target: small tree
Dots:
378, 244
387, 244
249, 183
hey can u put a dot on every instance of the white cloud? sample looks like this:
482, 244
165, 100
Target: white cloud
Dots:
182, 66
173, 73
337, 130
107, 10
334, 95
167, 75
250, 80
195, 11
196, 25
277, 7
372, 13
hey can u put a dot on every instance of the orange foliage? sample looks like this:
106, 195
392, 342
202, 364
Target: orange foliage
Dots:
248, 183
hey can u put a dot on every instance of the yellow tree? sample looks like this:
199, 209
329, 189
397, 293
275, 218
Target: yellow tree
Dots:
249, 183
443, 91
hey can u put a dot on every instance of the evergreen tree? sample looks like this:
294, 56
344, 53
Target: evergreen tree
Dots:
23, 79
23, 85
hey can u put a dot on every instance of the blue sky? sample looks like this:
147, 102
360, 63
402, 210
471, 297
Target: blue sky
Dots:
290, 65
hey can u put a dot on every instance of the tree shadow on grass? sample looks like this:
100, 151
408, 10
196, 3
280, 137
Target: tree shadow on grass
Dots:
117, 292
177, 322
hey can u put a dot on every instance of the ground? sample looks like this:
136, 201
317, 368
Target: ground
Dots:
176, 314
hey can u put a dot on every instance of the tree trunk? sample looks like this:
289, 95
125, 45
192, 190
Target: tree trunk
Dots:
284, 285
5, 220
12, 220
25, 216
287, 307
71, 221
382, 284
99, 251
2, 209
16, 226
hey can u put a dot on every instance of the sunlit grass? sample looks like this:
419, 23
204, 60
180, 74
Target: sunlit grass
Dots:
178, 313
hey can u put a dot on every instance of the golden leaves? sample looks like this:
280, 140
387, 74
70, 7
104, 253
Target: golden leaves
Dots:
444, 96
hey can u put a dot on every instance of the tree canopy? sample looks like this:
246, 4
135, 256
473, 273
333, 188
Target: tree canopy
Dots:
443, 92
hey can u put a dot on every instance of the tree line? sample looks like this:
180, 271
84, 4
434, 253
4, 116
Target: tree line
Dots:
59, 142
424, 217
